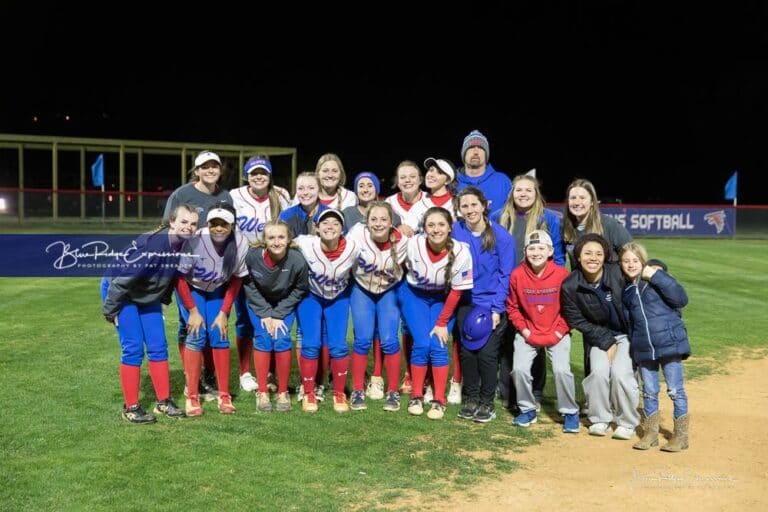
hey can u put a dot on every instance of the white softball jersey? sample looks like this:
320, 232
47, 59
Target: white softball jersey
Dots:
203, 265
427, 275
375, 268
252, 214
327, 279
408, 217
420, 208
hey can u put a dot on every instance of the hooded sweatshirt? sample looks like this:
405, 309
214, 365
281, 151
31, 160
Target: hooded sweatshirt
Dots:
534, 303
495, 185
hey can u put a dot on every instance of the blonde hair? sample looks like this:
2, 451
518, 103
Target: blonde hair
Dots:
276, 223
532, 216
636, 249
333, 157
407, 163
398, 269
592, 222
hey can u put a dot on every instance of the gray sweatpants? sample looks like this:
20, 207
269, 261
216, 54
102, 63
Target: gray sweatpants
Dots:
560, 355
611, 388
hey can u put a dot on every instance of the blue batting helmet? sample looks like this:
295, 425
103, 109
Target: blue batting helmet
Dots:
477, 328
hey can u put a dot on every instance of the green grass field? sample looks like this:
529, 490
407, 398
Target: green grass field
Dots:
65, 446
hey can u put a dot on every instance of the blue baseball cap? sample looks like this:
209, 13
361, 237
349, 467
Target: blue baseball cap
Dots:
256, 162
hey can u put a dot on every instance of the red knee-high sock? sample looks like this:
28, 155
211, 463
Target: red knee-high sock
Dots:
192, 363
407, 343
161, 378
392, 362
244, 351
130, 377
456, 352
283, 367
261, 364
378, 355
208, 361
221, 362
418, 373
359, 364
439, 380
308, 371
340, 367
182, 348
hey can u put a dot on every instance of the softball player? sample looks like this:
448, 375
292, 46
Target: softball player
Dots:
213, 264
330, 258
408, 180
279, 281
202, 192
132, 301
439, 269
374, 299
330, 172
256, 203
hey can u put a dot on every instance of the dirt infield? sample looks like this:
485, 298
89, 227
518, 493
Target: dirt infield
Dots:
726, 467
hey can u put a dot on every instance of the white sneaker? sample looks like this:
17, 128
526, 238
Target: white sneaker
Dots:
599, 429
623, 433
375, 389
454, 393
248, 383
428, 394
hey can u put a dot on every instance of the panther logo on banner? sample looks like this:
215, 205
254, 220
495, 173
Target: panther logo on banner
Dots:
716, 219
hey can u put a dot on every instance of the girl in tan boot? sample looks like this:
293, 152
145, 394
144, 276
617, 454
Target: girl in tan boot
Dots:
652, 302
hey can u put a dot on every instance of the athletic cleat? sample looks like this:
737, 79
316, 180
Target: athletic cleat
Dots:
393, 401
225, 405
416, 406
375, 389
192, 406
136, 414
436, 412
169, 408
526, 419
571, 424
468, 410
309, 403
320, 392
340, 403
283, 402
300, 393
485, 413
454, 393
208, 388
263, 403
357, 401
248, 383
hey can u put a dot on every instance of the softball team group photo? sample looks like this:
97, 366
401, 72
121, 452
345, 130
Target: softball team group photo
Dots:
459, 286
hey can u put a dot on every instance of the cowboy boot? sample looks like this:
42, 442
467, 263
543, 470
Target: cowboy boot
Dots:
650, 432
679, 439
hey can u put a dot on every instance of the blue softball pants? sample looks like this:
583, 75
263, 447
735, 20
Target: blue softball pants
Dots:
208, 305
316, 314
371, 313
420, 310
263, 342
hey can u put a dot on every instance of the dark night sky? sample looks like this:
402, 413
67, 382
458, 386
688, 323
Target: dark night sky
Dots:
651, 103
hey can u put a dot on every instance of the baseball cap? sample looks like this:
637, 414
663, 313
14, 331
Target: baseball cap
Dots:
444, 165
217, 212
538, 236
256, 162
477, 328
331, 212
205, 156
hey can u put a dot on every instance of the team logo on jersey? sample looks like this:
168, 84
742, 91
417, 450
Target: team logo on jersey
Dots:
540, 308
716, 219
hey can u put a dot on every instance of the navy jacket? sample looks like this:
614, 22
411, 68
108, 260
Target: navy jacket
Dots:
652, 310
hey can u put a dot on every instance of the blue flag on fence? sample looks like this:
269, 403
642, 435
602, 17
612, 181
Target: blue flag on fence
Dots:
730, 186
97, 171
